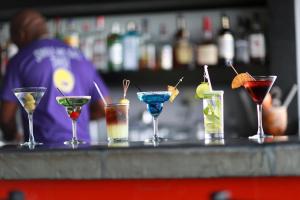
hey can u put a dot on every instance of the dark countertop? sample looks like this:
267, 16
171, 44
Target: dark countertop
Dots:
278, 156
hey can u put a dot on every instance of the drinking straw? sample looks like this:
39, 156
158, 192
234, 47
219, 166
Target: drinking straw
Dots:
64, 96
100, 94
126, 84
290, 96
207, 76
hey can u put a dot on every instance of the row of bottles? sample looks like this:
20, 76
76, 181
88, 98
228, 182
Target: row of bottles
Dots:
244, 47
136, 48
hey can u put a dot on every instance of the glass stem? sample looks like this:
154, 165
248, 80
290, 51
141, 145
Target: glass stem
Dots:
74, 130
30, 120
260, 130
155, 129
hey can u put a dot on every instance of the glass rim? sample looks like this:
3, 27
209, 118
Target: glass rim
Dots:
214, 92
155, 92
266, 77
73, 97
116, 104
29, 89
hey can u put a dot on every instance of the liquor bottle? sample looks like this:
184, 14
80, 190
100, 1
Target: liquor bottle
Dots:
100, 46
58, 31
242, 55
207, 51
131, 40
86, 41
257, 42
183, 50
115, 48
225, 42
147, 48
72, 36
165, 50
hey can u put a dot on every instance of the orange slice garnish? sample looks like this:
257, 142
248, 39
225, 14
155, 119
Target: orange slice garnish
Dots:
240, 79
174, 92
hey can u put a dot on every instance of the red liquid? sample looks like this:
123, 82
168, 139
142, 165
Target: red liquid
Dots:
117, 114
258, 89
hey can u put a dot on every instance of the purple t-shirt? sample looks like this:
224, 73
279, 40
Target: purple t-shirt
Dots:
51, 63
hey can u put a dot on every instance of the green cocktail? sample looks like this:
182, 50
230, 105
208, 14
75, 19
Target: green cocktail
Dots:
213, 114
73, 106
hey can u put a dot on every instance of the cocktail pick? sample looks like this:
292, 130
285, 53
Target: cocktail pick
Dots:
174, 91
232, 67
240, 78
137, 87
126, 84
100, 93
180, 80
64, 96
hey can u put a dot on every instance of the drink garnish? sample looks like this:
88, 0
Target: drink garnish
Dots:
203, 86
240, 78
126, 84
174, 91
201, 89
29, 103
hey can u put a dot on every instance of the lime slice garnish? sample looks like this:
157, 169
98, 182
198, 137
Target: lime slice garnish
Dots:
201, 89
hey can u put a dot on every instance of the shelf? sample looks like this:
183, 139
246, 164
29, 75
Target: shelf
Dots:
220, 75
65, 8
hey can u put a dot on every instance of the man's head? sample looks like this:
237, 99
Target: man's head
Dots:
27, 26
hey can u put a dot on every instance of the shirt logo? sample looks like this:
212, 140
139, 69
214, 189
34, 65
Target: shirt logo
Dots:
63, 79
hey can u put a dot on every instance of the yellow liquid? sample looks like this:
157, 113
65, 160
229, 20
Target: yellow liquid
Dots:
117, 132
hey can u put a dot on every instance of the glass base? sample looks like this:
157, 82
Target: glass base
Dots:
256, 137
117, 140
155, 140
31, 143
74, 142
213, 136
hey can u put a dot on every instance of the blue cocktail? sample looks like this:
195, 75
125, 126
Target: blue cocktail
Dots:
155, 103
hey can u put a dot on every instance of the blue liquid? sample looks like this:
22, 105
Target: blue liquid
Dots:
154, 100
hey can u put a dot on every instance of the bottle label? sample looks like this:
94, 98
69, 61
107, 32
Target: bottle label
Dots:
115, 53
226, 46
257, 45
131, 53
242, 51
184, 53
207, 54
166, 57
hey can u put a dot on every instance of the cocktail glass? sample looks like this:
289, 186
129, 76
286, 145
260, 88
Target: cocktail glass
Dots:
117, 122
213, 115
73, 106
155, 102
258, 89
30, 97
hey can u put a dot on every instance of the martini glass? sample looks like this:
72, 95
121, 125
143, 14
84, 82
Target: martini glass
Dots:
258, 89
30, 97
73, 106
155, 102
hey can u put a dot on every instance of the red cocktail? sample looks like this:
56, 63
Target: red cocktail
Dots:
258, 89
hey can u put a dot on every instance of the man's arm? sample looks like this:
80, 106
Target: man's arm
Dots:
97, 109
8, 125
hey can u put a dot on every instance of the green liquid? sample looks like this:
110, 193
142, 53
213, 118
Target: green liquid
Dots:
213, 122
73, 102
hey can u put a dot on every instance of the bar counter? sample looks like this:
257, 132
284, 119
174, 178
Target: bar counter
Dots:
278, 156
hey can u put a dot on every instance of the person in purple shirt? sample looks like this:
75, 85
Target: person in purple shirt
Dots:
52, 64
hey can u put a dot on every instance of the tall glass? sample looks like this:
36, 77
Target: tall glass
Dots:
117, 122
213, 115
258, 89
73, 106
30, 97
155, 102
